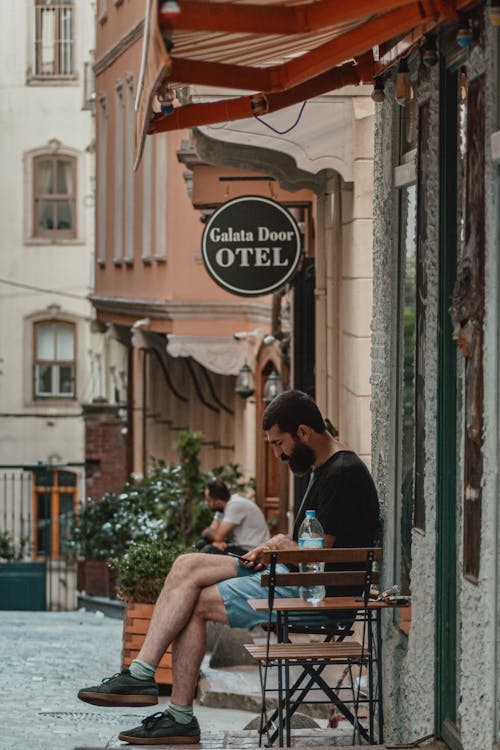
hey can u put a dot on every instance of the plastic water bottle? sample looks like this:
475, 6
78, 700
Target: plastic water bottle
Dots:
311, 536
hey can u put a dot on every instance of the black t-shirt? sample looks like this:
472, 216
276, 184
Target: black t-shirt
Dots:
345, 499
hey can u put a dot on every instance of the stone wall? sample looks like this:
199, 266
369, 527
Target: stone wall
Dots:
409, 673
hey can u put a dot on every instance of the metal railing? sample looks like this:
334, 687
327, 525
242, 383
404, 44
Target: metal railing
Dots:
27, 534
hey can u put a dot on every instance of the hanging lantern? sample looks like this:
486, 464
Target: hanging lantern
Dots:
244, 385
273, 386
465, 35
404, 90
166, 95
429, 52
378, 93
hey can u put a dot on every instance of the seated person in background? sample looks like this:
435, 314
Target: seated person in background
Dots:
238, 524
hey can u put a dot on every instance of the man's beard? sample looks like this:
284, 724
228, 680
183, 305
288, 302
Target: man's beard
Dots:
301, 458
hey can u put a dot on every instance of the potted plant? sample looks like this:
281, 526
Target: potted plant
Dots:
97, 536
173, 514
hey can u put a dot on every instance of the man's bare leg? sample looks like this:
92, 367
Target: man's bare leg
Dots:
189, 576
188, 648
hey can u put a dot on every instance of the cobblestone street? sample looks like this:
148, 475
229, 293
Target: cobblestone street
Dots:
45, 658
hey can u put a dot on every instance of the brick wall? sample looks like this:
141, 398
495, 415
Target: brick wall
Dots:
105, 449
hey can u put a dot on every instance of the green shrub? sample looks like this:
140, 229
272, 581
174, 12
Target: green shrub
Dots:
143, 567
9, 549
143, 527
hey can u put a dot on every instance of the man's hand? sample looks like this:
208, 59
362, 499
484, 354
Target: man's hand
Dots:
220, 545
278, 542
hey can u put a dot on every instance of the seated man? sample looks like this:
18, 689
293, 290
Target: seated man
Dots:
238, 525
200, 588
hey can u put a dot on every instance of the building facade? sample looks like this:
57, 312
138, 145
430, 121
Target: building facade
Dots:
52, 362
435, 372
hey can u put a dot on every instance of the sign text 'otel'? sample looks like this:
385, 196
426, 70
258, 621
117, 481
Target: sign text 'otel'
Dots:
251, 246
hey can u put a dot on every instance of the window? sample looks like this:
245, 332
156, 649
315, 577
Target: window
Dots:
409, 310
119, 137
54, 360
55, 500
128, 159
54, 42
54, 209
102, 189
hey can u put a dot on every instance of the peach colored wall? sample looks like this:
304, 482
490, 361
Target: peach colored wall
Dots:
120, 18
181, 276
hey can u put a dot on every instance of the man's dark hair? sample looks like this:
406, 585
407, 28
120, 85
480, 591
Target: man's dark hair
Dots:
218, 490
290, 409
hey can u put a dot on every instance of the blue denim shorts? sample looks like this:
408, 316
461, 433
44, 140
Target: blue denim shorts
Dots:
246, 585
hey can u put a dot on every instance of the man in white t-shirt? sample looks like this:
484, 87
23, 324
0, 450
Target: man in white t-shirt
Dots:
238, 525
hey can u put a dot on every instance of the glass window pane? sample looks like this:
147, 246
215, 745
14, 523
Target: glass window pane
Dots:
44, 177
64, 215
46, 211
66, 506
43, 522
64, 177
66, 43
44, 477
45, 341
66, 380
65, 341
48, 40
67, 479
44, 380
409, 249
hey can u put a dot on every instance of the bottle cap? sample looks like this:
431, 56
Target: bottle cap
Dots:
311, 513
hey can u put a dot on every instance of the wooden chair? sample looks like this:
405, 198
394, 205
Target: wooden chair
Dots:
356, 574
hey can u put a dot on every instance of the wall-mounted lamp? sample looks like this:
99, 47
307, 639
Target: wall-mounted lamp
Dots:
273, 386
244, 385
404, 90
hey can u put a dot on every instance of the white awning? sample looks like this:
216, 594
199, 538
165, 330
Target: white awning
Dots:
221, 354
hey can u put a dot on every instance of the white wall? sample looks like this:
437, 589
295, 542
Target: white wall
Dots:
32, 113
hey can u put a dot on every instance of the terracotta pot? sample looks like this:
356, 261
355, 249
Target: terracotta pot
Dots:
135, 626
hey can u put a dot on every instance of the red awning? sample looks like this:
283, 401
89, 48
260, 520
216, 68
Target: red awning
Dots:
285, 51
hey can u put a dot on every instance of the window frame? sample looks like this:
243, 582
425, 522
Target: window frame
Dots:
55, 490
70, 197
54, 363
58, 8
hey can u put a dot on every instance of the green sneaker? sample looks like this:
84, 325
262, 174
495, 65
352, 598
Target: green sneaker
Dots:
121, 690
162, 729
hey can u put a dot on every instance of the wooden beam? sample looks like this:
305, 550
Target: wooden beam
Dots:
351, 44
199, 15
319, 60
220, 75
194, 115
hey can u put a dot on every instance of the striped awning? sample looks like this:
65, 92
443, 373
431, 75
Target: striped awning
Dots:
282, 51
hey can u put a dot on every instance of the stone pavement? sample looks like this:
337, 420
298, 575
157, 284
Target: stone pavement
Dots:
45, 657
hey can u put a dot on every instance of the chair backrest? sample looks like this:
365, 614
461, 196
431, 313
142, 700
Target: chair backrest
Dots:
360, 576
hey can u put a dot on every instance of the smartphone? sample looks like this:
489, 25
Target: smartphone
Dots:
239, 557
245, 561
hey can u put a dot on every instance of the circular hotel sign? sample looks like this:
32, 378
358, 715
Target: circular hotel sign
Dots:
251, 246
